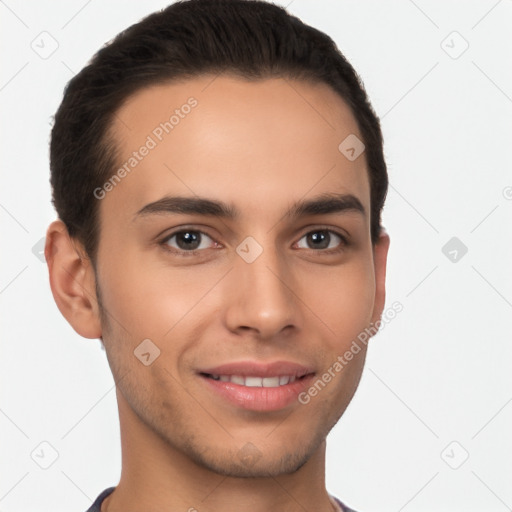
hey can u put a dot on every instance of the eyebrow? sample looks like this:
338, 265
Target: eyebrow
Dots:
320, 205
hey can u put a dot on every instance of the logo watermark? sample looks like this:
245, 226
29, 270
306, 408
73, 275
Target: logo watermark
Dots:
152, 140
342, 360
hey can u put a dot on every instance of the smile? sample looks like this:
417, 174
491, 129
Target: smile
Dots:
255, 382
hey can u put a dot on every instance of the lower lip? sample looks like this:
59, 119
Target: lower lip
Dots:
259, 398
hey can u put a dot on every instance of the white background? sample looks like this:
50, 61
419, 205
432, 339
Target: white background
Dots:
439, 372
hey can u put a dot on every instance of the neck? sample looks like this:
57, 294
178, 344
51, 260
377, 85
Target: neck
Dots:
157, 476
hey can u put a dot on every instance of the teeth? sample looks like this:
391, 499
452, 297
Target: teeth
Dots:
256, 382
238, 379
270, 382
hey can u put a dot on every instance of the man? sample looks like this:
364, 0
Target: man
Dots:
219, 178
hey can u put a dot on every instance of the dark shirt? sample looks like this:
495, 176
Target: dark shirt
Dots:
96, 506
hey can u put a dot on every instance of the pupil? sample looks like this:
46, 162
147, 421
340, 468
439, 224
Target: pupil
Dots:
188, 240
320, 239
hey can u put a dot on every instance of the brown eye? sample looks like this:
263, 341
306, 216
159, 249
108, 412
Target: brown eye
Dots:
188, 240
321, 239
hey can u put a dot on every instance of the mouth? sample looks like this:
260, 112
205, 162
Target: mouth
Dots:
256, 381
257, 387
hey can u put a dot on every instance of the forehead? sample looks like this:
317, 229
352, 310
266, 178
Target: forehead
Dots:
261, 142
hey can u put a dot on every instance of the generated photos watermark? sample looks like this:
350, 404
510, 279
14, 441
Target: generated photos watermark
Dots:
152, 140
356, 346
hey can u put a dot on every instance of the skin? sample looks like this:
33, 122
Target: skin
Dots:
259, 146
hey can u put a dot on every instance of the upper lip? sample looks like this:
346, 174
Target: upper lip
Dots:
259, 369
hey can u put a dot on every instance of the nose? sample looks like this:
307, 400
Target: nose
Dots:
261, 298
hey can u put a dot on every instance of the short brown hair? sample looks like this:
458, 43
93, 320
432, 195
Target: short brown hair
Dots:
252, 39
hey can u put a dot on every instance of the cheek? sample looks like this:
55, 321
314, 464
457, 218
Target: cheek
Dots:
148, 300
343, 300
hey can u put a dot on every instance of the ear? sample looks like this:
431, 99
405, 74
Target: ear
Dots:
380, 257
72, 281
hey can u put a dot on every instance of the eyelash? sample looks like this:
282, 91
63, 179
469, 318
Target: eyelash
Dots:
344, 243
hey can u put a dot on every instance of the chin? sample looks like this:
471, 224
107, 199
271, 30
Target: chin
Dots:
264, 467
251, 462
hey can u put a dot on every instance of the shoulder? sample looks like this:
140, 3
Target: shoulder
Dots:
342, 506
96, 506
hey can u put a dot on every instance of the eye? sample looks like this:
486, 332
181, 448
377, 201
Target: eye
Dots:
188, 240
322, 239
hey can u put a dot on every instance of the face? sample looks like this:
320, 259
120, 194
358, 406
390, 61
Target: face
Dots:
237, 245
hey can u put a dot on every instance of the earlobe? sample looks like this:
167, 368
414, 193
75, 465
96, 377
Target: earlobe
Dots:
72, 281
380, 256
